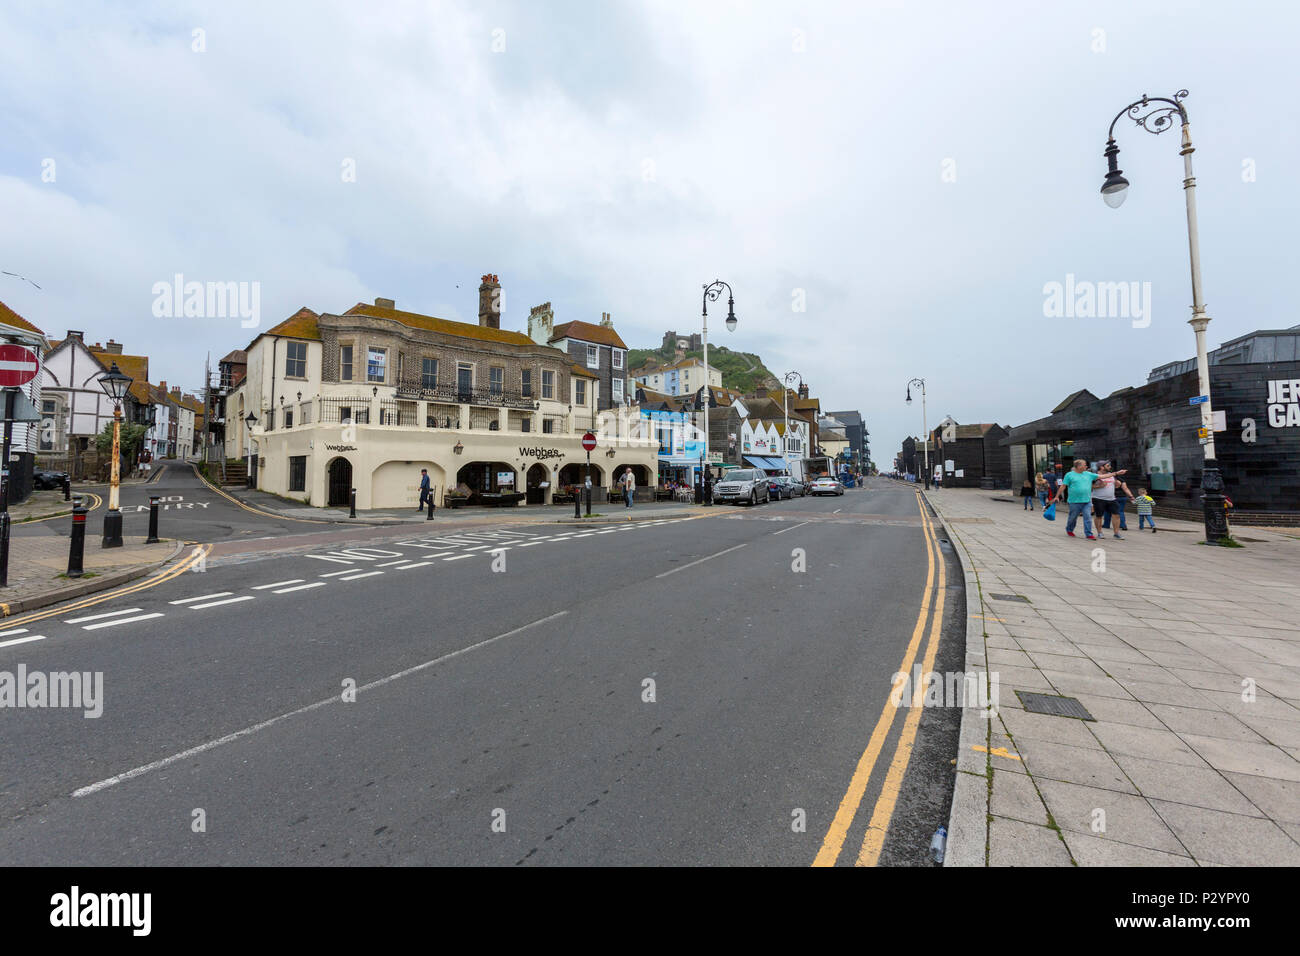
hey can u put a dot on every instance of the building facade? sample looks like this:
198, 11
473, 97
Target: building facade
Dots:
596, 348
683, 377
26, 438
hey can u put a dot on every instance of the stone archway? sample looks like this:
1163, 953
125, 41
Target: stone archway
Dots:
340, 483
533, 480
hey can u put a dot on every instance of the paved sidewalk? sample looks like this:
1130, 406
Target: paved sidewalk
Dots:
1188, 658
38, 564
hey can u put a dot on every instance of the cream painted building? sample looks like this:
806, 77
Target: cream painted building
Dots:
680, 378
367, 398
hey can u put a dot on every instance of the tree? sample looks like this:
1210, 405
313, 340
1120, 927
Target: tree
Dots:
131, 440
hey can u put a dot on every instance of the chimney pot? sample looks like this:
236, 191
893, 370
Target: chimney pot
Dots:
489, 302
385, 303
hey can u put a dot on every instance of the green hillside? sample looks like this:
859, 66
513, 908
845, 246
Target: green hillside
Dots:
742, 371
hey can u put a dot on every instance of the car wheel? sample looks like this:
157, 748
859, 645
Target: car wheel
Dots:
753, 498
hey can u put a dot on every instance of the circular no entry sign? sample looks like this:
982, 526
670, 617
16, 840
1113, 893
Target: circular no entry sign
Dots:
589, 441
18, 365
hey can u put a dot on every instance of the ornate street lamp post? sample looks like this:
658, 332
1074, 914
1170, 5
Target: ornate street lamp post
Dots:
785, 407
711, 293
251, 471
1155, 114
115, 385
924, 423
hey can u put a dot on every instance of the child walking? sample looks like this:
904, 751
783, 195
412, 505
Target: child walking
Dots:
1027, 493
1144, 504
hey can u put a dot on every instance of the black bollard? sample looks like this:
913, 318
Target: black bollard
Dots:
352, 507
577, 503
153, 520
77, 542
67, 488
429, 516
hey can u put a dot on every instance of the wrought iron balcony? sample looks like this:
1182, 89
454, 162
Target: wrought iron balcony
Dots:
454, 395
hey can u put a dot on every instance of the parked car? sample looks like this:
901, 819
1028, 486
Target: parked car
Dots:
45, 480
826, 486
743, 484
784, 486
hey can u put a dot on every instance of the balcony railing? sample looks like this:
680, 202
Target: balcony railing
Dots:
453, 394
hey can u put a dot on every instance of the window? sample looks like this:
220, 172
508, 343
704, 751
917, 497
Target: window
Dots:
464, 381
618, 358
593, 357
345, 363
580, 391
376, 364
429, 373
345, 414
618, 390
548, 384
297, 472
526, 423
295, 360
526, 383
496, 380
288, 418
548, 424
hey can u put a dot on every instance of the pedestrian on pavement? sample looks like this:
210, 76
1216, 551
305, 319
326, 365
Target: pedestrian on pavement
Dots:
1076, 489
424, 490
1145, 505
1027, 493
628, 483
1041, 486
1053, 481
1121, 501
1104, 491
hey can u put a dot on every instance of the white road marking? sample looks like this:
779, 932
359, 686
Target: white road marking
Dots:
234, 600
277, 584
365, 574
22, 640
332, 699
19, 630
334, 574
587, 535
477, 547
96, 617
121, 620
389, 564
301, 587
418, 564
837, 511
201, 597
700, 561
458, 557
799, 525
529, 544
336, 560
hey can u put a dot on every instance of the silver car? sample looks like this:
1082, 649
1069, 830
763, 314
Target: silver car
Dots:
826, 486
743, 484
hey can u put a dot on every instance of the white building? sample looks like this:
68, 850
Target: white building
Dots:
683, 377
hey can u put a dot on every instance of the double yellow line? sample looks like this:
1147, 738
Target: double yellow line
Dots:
874, 839
195, 557
89, 494
265, 514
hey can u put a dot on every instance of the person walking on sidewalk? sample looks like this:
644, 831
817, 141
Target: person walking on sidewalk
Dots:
1145, 505
424, 490
628, 484
1104, 504
1041, 487
1027, 493
1076, 489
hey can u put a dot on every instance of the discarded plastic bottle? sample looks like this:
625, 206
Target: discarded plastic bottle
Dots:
937, 844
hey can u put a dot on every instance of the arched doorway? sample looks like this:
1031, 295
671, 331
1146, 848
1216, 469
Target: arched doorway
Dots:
486, 477
340, 482
537, 474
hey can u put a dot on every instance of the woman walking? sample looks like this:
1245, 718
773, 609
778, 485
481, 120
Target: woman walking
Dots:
1027, 493
1042, 487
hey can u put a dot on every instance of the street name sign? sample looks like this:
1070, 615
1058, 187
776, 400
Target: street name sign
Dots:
1198, 400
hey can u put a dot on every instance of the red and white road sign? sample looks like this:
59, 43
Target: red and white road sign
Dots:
18, 365
589, 441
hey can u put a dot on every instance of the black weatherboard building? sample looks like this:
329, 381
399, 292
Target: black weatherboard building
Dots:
1152, 430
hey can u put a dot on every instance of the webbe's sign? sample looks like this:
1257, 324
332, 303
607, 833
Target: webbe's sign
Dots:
1284, 403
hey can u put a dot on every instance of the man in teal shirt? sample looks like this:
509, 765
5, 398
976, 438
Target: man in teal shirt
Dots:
1077, 485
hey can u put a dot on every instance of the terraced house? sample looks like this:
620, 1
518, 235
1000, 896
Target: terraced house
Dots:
366, 398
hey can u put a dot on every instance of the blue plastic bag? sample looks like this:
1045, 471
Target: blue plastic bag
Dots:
1050, 512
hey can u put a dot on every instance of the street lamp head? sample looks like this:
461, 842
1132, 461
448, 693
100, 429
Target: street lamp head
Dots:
731, 315
909, 394
250, 420
1115, 187
114, 383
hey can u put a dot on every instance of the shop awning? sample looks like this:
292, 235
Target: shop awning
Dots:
767, 464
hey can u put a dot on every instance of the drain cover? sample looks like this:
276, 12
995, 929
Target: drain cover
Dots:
1009, 597
1053, 705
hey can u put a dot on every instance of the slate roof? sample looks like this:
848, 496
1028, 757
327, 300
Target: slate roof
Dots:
586, 332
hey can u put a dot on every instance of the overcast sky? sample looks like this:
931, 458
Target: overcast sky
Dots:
916, 172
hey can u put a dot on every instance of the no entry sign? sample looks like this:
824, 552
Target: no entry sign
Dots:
589, 441
18, 365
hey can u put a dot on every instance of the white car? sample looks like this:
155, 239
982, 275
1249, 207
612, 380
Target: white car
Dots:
742, 484
826, 486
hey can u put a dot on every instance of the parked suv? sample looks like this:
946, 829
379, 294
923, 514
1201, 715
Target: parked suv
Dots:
743, 484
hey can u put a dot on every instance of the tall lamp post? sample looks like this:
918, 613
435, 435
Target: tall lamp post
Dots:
712, 291
1155, 114
251, 472
924, 424
115, 384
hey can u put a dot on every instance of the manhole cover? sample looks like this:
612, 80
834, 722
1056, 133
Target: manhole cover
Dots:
1009, 597
1054, 705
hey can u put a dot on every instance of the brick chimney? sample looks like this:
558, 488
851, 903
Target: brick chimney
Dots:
803, 391
605, 321
113, 347
385, 304
541, 323
490, 302
162, 386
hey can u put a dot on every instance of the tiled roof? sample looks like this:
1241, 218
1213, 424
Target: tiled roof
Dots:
237, 357
9, 317
585, 373
136, 366
300, 325
430, 323
586, 332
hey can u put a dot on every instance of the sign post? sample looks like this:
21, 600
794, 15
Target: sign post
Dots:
18, 366
588, 443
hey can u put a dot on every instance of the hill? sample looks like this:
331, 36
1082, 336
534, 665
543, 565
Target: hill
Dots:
742, 371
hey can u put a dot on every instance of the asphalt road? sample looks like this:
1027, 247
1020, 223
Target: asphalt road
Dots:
667, 692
